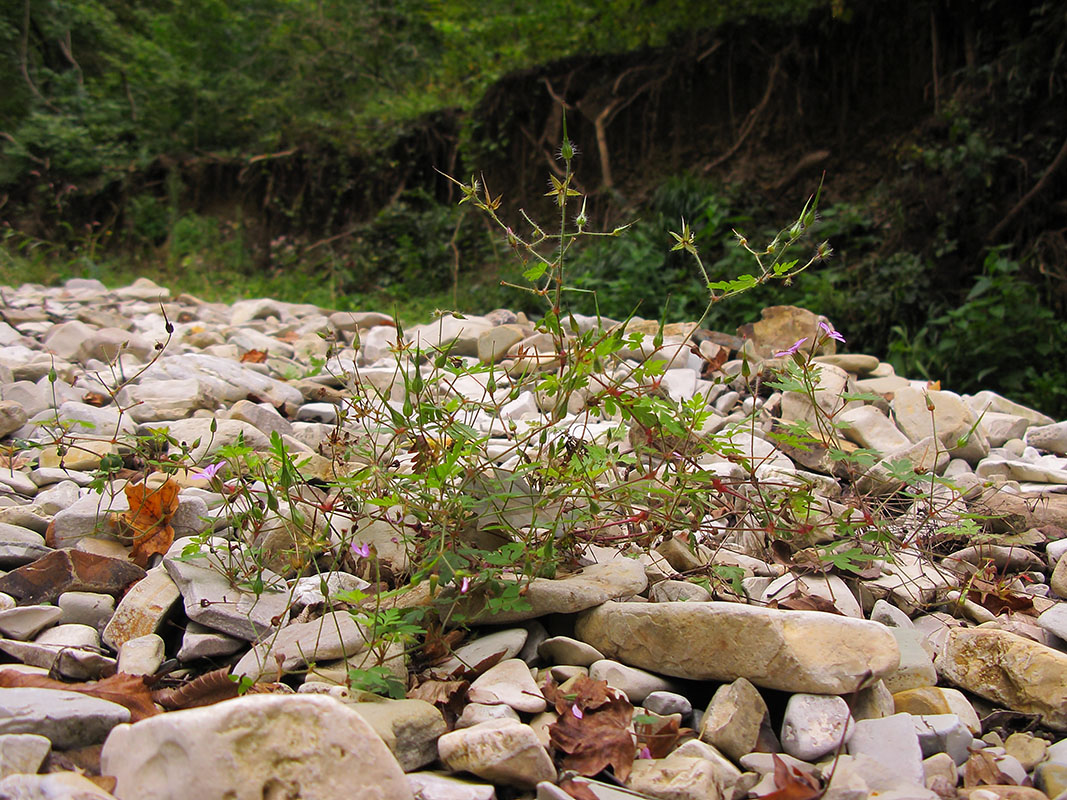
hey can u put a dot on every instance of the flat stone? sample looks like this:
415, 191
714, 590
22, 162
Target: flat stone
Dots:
815, 725
69, 570
331, 636
565, 650
665, 703
254, 747
508, 683
502, 751
213, 601
636, 684
868, 427
781, 649
25, 622
67, 719
916, 666
500, 645
592, 586
938, 700
22, 752
475, 713
19, 546
992, 401
202, 642
1018, 673
144, 609
158, 400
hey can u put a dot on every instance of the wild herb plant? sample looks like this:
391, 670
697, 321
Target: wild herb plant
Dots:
449, 506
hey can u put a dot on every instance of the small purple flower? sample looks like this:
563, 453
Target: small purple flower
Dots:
645, 753
829, 331
209, 471
577, 712
362, 550
464, 585
792, 349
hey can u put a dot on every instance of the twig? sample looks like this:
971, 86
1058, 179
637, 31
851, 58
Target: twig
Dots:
1039, 187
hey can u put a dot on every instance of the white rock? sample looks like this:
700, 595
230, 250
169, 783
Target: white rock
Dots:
815, 725
501, 751
893, 742
509, 683
254, 747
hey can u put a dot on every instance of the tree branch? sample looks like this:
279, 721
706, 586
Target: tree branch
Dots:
1024, 201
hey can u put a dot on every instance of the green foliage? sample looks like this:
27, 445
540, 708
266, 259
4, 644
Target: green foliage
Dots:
1002, 336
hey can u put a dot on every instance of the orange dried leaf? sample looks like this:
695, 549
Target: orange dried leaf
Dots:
659, 737
253, 357
981, 770
148, 520
208, 689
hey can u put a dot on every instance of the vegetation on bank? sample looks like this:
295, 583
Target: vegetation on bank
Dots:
243, 148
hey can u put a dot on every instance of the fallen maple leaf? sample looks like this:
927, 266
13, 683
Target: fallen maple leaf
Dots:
148, 520
126, 690
253, 357
792, 783
599, 737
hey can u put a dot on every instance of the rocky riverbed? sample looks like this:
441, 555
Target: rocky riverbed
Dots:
157, 644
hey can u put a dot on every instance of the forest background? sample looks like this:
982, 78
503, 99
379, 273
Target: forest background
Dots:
299, 148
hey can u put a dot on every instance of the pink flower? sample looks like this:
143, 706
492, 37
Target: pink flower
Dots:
362, 550
209, 471
645, 753
829, 331
464, 585
577, 712
790, 351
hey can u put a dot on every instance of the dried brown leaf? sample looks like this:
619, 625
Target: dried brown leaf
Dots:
579, 791
807, 602
126, 690
598, 739
659, 737
253, 357
208, 689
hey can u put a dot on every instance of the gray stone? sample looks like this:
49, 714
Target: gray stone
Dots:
893, 742
202, 642
565, 650
25, 622
254, 747
943, 733
916, 666
665, 703
815, 725
67, 719
475, 713
12, 417
87, 608
783, 649
637, 684
331, 636
212, 600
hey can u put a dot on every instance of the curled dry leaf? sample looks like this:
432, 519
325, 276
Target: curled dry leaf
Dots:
208, 689
981, 770
449, 696
126, 690
659, 737
148, 520
806, 602
253, 357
